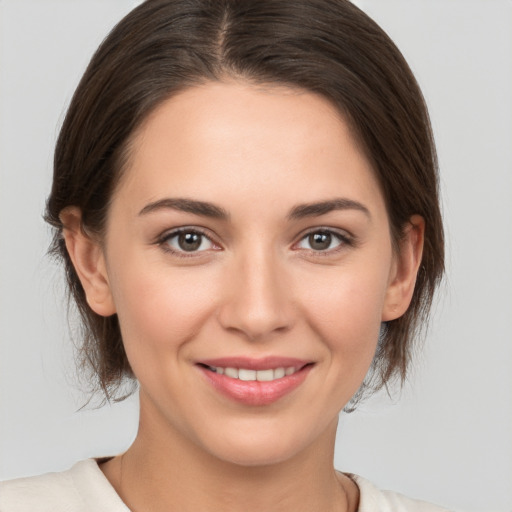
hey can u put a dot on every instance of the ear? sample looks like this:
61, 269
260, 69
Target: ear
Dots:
88, 259
405, 269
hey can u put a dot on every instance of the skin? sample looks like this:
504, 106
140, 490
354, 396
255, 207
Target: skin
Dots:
256, 287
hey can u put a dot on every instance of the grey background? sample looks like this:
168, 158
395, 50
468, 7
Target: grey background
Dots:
448, 437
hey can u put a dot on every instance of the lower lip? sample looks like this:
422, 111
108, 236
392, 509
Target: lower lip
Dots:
255, 392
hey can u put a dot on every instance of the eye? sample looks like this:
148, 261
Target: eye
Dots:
322, 240
187, 241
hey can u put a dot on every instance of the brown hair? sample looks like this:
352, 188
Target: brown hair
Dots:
329, 47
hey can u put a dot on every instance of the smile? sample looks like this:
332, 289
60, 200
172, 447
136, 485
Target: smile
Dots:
255, 382
247, 375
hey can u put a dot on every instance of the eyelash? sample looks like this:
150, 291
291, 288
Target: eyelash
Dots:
343, 239
164, 240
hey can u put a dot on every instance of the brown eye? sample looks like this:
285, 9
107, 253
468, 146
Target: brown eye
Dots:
187, 240
320, 241
323, 240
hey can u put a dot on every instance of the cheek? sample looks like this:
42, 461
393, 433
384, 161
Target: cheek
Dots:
345, 309
159, 308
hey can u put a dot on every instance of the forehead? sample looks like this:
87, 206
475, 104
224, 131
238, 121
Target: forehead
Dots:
236, 139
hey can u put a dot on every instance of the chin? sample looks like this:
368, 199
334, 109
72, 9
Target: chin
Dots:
255, 456
265, 445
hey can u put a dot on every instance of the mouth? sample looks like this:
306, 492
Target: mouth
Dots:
249, 375
253, 382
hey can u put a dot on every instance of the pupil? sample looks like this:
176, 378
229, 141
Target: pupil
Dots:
320, 241
189, 241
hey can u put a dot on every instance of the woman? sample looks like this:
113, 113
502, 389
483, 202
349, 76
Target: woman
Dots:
245, 200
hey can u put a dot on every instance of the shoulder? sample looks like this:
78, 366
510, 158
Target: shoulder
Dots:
79, 489
372, 499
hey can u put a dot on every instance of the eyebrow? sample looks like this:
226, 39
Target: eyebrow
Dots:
202, 208
206, 209
321, 208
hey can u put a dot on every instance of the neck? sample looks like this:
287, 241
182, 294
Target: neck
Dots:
164, 471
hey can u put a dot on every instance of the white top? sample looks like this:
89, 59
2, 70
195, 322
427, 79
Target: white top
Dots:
84, 488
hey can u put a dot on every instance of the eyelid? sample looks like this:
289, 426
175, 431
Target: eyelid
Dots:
345, 238
171, 233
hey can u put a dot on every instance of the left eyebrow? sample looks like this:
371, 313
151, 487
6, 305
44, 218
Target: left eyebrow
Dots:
321, 208
201, 208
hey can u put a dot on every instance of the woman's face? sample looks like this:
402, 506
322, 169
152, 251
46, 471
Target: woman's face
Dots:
248, 257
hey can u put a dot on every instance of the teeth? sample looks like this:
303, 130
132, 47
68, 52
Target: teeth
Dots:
266, 375
279, 373
230, 372
246, 374
252, 375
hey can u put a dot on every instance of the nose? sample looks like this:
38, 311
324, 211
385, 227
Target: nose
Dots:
258, 300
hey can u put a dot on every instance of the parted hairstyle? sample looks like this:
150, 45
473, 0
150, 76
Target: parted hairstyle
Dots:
328, 47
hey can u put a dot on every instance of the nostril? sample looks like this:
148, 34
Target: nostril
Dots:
257, 301
254, 324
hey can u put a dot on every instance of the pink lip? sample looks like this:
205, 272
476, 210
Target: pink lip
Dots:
251, 363
255, 393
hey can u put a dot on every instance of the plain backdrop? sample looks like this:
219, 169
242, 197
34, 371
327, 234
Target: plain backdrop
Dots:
448, 437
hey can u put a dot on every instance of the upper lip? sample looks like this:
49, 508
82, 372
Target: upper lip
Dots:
250, 363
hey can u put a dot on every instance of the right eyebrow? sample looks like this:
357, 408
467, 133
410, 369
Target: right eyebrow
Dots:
323, 207
202, 208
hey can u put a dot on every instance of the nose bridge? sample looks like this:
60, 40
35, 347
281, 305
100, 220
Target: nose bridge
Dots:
258, 302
